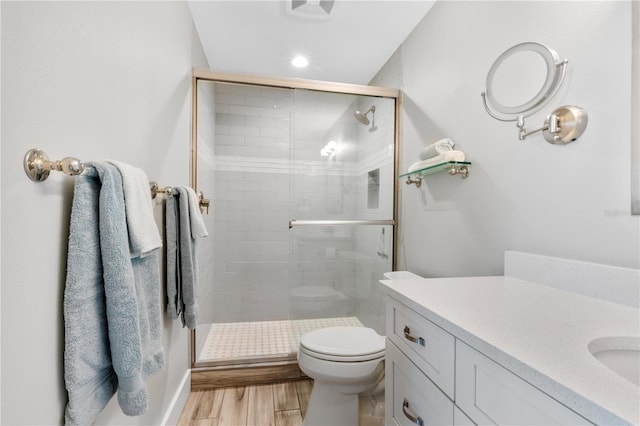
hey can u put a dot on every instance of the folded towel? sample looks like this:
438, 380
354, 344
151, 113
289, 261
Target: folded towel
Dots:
144, 236
197, 222
185, 227
111, 303
436, 148
442, 158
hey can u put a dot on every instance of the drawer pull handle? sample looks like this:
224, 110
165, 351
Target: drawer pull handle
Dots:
415, 419
408, 336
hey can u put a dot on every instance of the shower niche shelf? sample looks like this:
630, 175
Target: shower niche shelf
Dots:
460, 168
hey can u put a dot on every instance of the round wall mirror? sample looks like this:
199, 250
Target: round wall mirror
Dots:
523, 79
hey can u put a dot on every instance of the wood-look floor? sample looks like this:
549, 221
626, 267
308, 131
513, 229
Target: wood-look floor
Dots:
278, 404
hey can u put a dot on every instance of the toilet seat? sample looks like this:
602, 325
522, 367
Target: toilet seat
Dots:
343, 344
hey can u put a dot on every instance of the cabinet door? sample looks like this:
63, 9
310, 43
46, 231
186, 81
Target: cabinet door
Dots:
491, 394
427, 345
460, 418
410, 397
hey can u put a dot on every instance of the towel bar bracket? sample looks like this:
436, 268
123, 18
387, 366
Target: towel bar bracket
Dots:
37, 165
155, 189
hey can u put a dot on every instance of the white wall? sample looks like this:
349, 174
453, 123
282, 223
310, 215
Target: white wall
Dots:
569, 201
94, 80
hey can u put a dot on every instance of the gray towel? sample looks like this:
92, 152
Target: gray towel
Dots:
184, 224
111, 304
174, 308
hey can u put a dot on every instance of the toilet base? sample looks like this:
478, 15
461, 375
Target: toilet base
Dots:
343, 411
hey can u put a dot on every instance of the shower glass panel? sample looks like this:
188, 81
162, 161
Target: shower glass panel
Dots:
340, 242
301, 217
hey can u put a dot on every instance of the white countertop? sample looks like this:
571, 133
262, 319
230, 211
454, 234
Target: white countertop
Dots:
538, 332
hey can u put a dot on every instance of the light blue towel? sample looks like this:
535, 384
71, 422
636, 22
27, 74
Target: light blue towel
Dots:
88, 372
111, 304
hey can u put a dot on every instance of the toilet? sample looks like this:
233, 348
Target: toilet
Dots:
344, 362
318, 302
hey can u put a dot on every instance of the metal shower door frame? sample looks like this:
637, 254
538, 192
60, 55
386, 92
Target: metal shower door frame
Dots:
294, 83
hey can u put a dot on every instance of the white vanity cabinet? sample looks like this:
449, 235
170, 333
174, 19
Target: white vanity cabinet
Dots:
491, 394
433, 378
419, 369
428, 346
410, 397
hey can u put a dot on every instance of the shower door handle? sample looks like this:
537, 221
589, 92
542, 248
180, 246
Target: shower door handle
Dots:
294, 222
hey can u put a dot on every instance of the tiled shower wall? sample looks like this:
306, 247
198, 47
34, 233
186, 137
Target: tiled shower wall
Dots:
251, 199
374, 244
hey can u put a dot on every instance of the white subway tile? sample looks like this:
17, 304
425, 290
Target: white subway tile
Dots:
230, 99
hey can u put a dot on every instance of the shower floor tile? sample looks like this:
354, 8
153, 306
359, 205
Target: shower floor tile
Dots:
262, 338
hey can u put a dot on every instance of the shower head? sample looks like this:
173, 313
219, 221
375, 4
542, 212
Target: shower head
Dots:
362, 117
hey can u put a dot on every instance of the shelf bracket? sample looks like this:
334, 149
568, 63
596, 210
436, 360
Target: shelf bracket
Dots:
463, 171
417, 181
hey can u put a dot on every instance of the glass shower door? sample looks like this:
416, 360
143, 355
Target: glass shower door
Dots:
341, 228
301, 217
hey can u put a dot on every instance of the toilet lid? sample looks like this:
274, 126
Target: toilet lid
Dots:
344, 342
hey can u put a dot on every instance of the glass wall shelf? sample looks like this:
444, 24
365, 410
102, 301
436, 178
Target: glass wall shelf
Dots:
452, 167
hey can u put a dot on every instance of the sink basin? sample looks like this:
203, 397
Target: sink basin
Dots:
620, 354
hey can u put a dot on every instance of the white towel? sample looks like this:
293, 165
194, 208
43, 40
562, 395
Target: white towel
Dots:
197, 222
442, 158
436, 148
144, 236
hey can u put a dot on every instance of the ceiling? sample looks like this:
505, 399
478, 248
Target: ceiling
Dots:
261, 37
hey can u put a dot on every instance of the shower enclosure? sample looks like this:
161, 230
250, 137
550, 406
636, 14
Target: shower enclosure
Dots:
301, 176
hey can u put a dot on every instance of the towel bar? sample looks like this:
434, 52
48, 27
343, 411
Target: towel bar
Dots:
37, 166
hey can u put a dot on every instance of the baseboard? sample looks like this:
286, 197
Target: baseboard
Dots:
248, 374
178, 401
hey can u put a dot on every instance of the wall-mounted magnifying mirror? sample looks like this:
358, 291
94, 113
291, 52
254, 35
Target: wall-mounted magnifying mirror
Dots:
521, 81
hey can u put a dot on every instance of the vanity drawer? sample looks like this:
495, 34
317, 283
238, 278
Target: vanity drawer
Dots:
410, 397
428, 346
490, 394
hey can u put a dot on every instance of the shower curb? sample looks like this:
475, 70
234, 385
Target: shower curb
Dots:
244, 375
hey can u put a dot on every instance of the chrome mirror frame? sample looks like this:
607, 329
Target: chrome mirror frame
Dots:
563, 125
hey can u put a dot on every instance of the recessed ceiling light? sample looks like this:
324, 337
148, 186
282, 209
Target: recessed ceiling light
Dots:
299, 61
